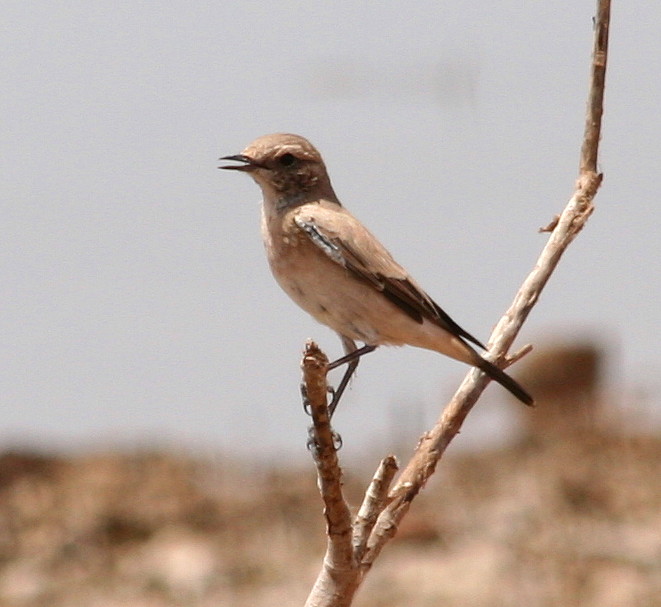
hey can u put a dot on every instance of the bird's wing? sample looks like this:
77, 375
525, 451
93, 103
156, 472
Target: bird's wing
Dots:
340, 236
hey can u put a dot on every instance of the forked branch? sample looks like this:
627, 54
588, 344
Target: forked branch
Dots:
352, 548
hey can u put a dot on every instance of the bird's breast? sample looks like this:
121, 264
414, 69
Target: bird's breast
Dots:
333, 294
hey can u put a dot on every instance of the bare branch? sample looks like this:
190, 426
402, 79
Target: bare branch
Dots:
342, 573
339, 577
590, 149
566, 228
518, 355
375, 500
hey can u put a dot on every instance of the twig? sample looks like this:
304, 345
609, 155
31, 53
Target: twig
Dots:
568, 225
338, 577
518, 355
590, 148
432, 445
373, 504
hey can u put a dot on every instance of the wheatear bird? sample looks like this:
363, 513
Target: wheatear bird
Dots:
337, 271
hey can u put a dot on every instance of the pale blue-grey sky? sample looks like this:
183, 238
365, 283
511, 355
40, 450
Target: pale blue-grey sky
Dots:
136, 302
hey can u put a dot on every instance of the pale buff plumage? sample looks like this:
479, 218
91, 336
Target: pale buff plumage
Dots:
336, 270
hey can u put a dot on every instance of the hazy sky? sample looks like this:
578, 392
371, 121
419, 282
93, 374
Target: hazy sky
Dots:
136, 302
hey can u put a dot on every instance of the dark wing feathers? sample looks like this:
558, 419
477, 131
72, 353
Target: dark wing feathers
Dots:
400, 290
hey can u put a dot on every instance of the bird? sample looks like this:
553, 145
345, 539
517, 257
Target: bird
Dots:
335, 269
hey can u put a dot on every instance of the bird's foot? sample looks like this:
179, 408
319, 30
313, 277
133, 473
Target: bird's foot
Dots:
306, 400
313, 445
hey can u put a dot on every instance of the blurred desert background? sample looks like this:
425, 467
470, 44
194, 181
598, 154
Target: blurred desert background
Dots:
567, 514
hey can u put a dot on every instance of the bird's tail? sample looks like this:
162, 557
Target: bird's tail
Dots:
503, 379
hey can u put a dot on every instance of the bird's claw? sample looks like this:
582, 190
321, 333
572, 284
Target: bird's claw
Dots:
313, 445
305, 399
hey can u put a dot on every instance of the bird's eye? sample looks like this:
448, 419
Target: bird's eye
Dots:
286, 160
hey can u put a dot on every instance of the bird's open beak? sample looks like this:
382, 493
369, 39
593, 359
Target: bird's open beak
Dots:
248, 163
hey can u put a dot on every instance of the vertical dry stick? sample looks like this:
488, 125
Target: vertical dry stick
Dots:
338, 577
432, 445
590, 149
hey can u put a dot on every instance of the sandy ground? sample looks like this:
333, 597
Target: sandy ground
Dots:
572, 520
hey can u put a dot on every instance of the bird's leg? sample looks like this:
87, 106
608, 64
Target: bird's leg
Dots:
337, 392
351, 359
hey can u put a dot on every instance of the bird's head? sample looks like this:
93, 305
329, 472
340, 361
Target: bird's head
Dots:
285, 166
